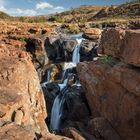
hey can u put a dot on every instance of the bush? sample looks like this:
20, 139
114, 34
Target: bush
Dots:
109, 60
22, 19
55, 18
72, 29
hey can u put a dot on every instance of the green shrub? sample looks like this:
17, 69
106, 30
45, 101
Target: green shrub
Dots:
22, 19
22, 39
73, 29
109, 60
55, 18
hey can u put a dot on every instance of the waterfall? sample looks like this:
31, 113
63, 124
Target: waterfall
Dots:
57, 109
48, 75
48, 78
76, 54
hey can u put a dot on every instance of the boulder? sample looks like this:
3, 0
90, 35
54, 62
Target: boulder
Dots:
88, 50
131, 52
122, 44
92, 33
113, 92
112, 42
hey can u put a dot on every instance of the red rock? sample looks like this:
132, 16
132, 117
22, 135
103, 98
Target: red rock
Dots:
121, 44
113, 93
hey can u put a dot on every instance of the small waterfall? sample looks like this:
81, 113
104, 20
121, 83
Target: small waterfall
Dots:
48, 75
48, 78
76, 54
57, 109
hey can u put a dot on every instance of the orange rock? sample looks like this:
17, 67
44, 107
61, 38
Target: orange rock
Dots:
21, 98
92, 33
113, 92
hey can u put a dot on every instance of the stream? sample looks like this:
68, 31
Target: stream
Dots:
68, 98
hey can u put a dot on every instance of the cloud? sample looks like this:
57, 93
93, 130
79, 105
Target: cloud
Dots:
43, 5
18, 11
41, 8
23, 12
59, 8
2, 8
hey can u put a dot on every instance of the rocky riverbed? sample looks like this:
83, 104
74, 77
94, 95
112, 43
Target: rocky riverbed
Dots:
80, 87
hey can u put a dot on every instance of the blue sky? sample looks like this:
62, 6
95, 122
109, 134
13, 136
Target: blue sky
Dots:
44, 7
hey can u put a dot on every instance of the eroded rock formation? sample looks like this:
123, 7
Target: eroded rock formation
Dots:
112, 87
22, 100
22, 105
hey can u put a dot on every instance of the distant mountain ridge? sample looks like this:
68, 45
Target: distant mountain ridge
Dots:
131, 9
91, 13
4, 15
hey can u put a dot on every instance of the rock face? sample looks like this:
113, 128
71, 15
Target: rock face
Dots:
22, 100
102, 128
35, 46
122, 44
59, 49
22, 104
113, 86
113, 92
12, 132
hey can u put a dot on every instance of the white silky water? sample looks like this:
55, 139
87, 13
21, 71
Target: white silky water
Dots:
57, 109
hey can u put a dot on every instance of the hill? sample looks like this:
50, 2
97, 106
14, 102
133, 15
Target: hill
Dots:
80, 14
4, 15
131, 9
92, 13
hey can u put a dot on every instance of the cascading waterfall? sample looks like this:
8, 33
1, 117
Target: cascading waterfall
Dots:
48, 78
76, 54
57, 109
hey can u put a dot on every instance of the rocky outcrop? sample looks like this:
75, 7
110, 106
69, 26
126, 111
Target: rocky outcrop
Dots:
112, 85
122, 44
113, 92
22, 100
22, 104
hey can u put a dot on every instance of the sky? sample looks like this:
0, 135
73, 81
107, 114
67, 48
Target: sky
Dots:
44, 7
